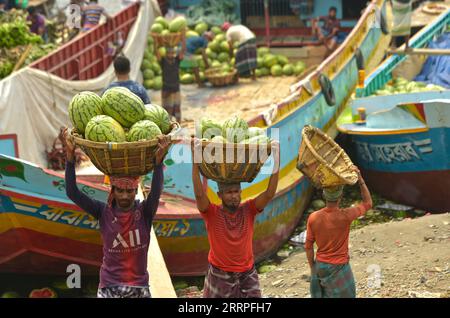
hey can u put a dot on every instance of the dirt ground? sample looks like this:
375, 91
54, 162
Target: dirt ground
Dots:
411, 257
246, 100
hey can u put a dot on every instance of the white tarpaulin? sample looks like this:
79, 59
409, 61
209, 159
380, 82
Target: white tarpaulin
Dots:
33, 103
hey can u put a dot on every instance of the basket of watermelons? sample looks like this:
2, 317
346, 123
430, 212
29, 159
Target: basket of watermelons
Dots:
323, 161
217, 76
168, 34
117, 131
231, 152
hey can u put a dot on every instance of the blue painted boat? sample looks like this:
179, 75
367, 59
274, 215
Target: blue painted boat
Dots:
180, 228
403, 147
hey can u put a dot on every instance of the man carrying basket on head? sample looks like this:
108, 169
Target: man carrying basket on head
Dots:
125, 225
231, 272
329, 228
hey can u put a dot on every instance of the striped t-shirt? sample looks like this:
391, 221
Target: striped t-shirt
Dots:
92, 14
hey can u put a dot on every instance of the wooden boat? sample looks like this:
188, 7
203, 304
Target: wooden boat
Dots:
403, 146
34, 201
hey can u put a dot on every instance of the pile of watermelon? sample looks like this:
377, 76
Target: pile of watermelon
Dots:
232, 130
276, 65
400, 85
151, 70
117, 116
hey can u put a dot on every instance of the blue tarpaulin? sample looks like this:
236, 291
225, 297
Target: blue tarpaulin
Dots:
436, 69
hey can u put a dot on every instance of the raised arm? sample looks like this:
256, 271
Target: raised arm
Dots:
264, 198
91, 206
200, 195
151, 205
365, 193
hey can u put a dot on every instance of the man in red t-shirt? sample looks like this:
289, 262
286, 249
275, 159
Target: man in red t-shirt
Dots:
231, 272
329, 228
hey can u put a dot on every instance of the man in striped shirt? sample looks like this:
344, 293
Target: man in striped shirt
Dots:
92, 12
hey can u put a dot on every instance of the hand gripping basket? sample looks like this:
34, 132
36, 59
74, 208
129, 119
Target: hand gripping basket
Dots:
232, 163
215, 77
120, 159
322, 160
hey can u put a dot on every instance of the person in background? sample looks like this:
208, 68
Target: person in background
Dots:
190, 47
170, 93
122, 69
231, 271
246, 55
401, 27
328, 33
92, 12
3, 4
37, 23
329, 228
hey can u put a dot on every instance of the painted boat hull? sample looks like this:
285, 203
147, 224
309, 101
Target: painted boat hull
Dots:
179, 227
411, 168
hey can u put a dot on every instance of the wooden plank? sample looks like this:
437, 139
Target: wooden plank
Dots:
419, 51
159, 278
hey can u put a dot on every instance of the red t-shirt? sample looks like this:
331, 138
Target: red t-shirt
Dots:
230, 237
330, 229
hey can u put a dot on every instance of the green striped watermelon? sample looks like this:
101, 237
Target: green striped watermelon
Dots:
143, 130
209, 129
235, 129
104, 128
82, 108
122, 105
159, 116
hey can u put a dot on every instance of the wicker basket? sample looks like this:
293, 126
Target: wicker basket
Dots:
120, 159
168, 40
215, 77
322, 160
245, 161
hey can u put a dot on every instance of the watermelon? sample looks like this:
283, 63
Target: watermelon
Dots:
259, 63
220, 37
143, 130
10, 294
214, 46
83, 107
216, 30
276, 70
263, 51
187, 79
146, 64
123, 105
162, 51
265, 71
261, 139
159, 116
190, 34
177, 24
210, 53
223, 57
148, 84
43, 293
148, 74
226, 68
270, 60
147, 54
288, 69
156, 68
209, 129
157, 28
150, 40
255, 131
258, 73
235, 129
104, 128
282, 60
165, 32
163, 22
298, 69
225, 46
202, 76
157, 83
216, 63
201, 28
